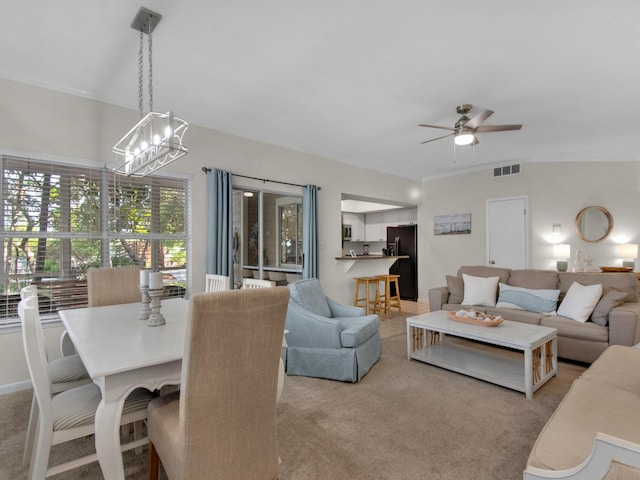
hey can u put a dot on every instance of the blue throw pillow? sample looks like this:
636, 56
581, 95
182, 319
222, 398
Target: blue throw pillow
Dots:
540, 301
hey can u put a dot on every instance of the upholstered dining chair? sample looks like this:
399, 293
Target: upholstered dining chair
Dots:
257, 283
69, 414
222, 424
216, 283
112, 286
64, 373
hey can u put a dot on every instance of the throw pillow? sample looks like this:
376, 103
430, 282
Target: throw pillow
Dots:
456, 289
611, 298
480, 290
539, 300
580, 301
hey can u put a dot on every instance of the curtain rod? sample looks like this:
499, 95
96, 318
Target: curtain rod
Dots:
207, 170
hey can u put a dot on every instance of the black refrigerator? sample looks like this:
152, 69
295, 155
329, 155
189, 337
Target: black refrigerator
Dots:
404, 241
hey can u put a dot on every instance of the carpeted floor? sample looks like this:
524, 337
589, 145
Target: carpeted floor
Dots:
405, 420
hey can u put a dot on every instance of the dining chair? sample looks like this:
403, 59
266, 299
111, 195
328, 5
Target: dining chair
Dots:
257, 283
65, 373
222, 424
216, 283
70, 414
112, 286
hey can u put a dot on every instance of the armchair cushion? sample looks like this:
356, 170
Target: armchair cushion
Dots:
309, 294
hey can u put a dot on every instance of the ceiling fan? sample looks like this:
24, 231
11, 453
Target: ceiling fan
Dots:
465, 129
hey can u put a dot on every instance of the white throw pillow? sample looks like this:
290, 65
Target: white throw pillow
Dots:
580, 301
480, 290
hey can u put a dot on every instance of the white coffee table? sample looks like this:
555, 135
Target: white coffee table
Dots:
427, 342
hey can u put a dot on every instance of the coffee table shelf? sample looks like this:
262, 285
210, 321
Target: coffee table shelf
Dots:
530, 361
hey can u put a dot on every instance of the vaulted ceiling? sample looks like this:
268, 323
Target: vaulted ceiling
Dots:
352, 79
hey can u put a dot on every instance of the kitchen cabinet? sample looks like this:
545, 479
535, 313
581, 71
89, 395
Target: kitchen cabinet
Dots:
356, 220
407, 216
373, 228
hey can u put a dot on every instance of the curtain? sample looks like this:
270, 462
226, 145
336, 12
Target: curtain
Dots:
219, 223
310, 231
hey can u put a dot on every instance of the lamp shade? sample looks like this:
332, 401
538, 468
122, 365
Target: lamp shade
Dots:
628, 251
561, 251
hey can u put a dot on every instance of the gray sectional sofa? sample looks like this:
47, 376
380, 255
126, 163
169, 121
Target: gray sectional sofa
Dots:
618, 321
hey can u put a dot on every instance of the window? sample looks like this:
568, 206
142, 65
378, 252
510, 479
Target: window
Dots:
267, 231
58, 220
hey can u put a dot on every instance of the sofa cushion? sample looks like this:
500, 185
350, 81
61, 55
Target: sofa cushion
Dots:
617, 366
456, 289
480, 290
588, 408
533, 300
610, 299
626, 282
570, 328
580, 301
522, 316
309, 294
482, 271
358, 329
537, 279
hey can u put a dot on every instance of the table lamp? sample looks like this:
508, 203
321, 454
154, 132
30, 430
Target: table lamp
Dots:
562, 252
628, 252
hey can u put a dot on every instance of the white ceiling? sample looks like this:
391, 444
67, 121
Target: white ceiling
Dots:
352, 79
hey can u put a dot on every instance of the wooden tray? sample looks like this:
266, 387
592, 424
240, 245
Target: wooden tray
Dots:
475, 321
616, 269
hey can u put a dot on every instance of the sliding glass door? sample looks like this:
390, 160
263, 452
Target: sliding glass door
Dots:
267, 234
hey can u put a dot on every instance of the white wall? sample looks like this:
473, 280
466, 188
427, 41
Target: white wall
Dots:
556, 193
45, 124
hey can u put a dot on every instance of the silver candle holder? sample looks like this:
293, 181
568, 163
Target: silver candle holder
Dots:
155, 318
145, 311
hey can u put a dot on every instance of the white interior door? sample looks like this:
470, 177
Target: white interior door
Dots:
507, 232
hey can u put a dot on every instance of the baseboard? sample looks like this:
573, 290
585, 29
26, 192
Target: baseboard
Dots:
15, 387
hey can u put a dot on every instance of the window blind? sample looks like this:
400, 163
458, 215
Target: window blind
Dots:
59, 220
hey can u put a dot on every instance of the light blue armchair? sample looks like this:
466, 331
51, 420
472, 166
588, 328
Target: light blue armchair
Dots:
327, 339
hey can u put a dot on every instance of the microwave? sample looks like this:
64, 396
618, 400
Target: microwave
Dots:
346, 232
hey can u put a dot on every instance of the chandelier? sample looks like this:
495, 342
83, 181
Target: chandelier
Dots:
156, 140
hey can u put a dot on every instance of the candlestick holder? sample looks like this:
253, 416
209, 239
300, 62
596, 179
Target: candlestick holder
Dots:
155, 318
145, 312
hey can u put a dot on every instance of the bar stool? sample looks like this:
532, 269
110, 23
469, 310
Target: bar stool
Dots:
387, 302
371, 304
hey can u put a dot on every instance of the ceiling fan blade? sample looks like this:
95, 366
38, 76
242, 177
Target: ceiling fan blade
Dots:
496, 128
438, 138
478, 119
437, 126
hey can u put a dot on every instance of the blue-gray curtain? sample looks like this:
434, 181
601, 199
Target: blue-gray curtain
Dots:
219, 223
310, 232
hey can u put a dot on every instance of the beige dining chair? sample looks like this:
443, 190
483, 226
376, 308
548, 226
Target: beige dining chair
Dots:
112, 286
222, 424
65, 373
69, 414
216, 283
257, 283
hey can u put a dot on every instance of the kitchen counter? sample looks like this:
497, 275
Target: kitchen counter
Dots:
382, 262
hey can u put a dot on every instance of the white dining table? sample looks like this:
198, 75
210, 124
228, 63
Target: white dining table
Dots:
122, 353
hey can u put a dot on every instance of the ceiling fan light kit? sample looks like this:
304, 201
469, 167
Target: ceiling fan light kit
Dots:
465, 129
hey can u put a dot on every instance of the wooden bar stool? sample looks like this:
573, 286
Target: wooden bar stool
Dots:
371, 304
387, 302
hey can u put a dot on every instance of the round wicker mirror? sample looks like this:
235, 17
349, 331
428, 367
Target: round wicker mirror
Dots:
593, 223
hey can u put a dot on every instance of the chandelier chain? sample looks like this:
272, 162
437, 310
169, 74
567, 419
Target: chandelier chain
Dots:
140, 75
150, 67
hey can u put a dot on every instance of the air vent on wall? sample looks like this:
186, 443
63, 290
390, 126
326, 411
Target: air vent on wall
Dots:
508, 170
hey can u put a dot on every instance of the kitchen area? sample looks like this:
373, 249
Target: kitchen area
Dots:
379, 238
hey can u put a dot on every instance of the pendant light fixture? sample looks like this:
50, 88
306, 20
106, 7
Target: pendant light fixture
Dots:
156, 140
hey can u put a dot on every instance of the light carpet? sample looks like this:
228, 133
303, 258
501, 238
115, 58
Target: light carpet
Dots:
405, 420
